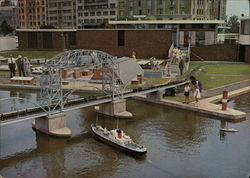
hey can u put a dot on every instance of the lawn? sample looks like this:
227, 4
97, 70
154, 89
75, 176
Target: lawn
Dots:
222, 68
215, 75
31, 54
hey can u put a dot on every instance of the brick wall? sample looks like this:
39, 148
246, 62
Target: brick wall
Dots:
219, 52
146, 43
57, 40
247, 54
22, 40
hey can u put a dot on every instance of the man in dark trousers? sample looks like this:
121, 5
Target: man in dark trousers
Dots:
181, 66
12, 66
19, 63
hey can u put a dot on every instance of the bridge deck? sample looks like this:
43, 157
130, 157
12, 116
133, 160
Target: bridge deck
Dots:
21, 115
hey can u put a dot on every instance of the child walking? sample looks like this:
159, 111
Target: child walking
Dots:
186, 93
197, 95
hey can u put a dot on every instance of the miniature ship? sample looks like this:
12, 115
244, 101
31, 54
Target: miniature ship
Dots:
118, 139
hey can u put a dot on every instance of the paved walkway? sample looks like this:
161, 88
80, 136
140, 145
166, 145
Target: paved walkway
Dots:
206, 106
231, 87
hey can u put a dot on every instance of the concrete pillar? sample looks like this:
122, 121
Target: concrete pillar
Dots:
114, 109
216, 34
177, 35
54, 125
155, 96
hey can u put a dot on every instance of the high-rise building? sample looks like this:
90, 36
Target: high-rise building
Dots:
9, 13
173, 9
58, 13
32, 13
61, 13
95, 13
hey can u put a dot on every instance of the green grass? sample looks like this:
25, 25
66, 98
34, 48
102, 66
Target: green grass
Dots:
209, 82
4, 72
215, 75
31, 54
221, 68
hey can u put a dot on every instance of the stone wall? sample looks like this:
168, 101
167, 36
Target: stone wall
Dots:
218, 52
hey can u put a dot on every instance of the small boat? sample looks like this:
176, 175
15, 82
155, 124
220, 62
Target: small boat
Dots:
229, 130
118, 139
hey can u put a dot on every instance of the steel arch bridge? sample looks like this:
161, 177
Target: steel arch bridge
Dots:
51, 78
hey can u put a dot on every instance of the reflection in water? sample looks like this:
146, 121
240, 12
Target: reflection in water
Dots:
179, 143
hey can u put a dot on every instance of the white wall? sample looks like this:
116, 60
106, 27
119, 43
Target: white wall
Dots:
8, 43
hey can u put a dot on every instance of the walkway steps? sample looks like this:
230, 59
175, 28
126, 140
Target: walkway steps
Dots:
205, 106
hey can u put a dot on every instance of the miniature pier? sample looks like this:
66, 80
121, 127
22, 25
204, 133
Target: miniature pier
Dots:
205, 106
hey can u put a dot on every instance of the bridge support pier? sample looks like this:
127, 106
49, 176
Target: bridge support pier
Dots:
54, 125
155, 96
114, 109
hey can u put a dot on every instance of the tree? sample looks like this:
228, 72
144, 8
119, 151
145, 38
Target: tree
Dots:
6, 28
233, 22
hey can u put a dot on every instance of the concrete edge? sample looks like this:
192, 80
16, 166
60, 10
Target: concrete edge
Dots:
179, 105
231, 94
56, 133
122, 115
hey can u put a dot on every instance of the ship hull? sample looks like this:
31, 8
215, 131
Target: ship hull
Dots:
119, 147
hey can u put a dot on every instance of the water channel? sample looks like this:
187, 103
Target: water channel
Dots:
179, 143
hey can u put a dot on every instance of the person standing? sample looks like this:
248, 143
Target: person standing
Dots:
12, 66
181, 66
195, 82
197, 95
19, 63
26, 66
186, 93
174, 53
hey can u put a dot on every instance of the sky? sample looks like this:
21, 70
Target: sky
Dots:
238, 7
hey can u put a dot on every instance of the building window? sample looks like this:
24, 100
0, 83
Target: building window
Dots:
149, 3
139, 3
112, 5
121, 37
112, 13
159, 11
159, 2
121, 5
200, 38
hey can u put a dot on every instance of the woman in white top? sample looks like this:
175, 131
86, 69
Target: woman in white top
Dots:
186, 93
197, 95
